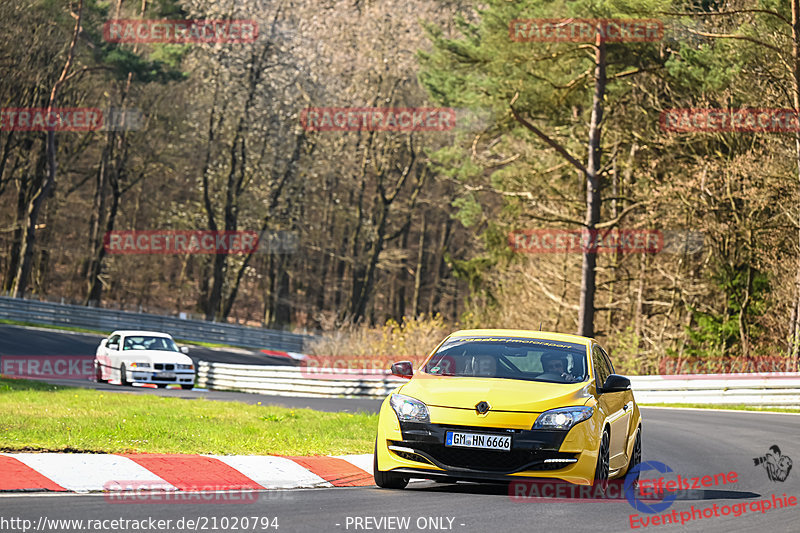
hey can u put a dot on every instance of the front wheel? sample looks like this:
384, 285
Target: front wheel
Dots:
601, 470
636, 459
98, 371
123, 378
387, 480
187, 387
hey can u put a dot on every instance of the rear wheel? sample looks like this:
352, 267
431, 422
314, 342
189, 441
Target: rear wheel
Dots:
387, 480
601, 470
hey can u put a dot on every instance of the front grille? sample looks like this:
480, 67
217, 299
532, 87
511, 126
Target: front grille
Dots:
164, 366
490, 460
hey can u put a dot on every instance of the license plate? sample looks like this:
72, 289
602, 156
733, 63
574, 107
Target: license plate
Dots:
477, 440
165, 375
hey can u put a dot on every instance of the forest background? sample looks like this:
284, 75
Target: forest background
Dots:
398, 237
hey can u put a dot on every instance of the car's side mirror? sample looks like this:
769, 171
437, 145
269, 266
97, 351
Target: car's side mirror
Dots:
184, 349
112, 346
616, 383
403, 369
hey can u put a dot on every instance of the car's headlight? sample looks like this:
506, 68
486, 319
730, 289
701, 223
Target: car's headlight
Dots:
185, 367
139, 365
409, 409
563, 417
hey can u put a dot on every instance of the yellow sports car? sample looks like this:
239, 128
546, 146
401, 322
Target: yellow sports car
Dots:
506, 405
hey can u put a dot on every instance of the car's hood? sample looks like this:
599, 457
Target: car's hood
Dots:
157, 356
502, 394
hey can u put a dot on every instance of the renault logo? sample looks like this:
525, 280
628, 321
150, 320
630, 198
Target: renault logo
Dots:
482, 408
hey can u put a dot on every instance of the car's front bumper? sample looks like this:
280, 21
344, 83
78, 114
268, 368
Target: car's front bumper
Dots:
179, 377
418, 449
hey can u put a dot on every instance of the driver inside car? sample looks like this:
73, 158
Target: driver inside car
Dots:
556, 363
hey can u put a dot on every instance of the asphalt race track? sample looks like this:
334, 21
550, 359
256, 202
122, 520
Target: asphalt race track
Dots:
15, 340
692, 443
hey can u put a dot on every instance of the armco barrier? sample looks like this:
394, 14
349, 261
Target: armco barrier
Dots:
109, 319
766, 390
294, 381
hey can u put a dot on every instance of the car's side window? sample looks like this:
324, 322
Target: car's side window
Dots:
607, 359
601, 369
113, 342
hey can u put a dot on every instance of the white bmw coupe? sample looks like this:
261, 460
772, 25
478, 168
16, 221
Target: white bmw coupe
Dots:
150, 357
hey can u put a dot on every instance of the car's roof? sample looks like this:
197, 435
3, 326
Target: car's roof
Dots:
523, 333
131, 332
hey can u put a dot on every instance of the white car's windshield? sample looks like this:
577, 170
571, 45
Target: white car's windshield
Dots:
143, 342
510, 358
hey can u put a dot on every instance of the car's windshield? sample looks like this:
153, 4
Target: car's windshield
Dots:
144, 342
510, 358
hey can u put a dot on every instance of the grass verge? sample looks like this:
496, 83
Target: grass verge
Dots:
724, 407
36, 416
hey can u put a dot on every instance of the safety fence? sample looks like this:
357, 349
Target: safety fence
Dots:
55, 314
766, 390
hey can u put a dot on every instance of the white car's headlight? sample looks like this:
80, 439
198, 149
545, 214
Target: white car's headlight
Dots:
563, 417
185, 367
409, 409
139, 365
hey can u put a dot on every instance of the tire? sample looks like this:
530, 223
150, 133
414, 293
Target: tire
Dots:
123, 378
98, 372
636, 457
161, 385
187, 387
387, 480
600, 484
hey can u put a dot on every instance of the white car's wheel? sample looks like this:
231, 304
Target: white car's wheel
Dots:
98, 372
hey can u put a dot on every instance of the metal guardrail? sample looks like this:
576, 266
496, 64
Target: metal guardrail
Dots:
768, 389
765, 390
295, 381
110, 319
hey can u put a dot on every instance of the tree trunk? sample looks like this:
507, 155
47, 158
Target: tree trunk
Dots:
418, 270
593, 198
795, 333
32, 216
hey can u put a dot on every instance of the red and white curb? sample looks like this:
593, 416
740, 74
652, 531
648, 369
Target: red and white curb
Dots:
100, 472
